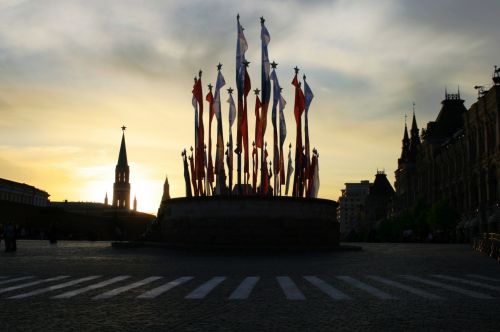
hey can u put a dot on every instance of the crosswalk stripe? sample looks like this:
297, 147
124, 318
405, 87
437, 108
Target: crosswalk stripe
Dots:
244, 289
205, 288
15, 279
455, 289
54, 287
327, 289
409, 289
90, 287
292, 292
483, 277
367, 288
164, 288
33, 283
123, 289
465, 281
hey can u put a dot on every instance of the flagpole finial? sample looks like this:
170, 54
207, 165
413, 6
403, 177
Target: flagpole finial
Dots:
296, 69
210, 86
281, 89
199, 73
124, 128
246, 63
304, 77
274, 65
262, 20
290, 145
219, 66
257, 91
238, 17
191, 149
195, 79
230, 90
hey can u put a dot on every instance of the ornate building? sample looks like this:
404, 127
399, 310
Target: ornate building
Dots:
22, 193
456, 158
121, 187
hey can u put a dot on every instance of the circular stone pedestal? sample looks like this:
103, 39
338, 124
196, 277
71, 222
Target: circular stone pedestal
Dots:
249, 222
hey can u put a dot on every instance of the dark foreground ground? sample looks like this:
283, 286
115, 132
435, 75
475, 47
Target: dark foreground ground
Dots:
85, 286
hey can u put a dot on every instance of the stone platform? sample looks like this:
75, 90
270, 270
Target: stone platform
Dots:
249, 222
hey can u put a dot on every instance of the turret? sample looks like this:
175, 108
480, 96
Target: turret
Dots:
121, 187
414, 140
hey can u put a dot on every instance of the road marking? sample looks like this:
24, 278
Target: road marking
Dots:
292, 292
367, 288
469, 282
164, 288
123, 289
33, 283
409, 289
327, 289
15, 279
91, 287
449, 287
204, 289
482, 277
244, 289
53, 288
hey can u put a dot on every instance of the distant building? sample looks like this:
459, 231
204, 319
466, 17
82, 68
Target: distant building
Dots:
121, 187
378, 201
456, 158
22, 193
351, 209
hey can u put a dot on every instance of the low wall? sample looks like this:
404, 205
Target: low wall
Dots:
488, 244
250, 221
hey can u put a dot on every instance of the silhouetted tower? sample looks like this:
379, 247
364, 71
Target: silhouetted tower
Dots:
135, 203
121, 187
106, 199
405, 148
166, 190
415, 139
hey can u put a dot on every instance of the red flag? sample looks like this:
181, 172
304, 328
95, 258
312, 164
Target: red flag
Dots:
244, 124
258, 124
199, 162
298, 110
210, 166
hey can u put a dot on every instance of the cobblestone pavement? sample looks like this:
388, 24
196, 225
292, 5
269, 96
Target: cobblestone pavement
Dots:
386, 287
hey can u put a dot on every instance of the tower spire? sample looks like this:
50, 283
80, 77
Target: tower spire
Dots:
121, 187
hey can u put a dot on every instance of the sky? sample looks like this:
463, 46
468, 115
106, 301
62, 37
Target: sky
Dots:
72, 72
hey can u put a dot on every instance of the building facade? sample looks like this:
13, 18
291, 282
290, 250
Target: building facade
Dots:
22, 193
351, 209
456, 158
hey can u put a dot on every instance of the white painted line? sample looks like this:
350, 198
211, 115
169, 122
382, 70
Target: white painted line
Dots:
205, 289
327, 289
409, 289
367, 288
15, 279
164, 288
33, 283
123, 289
244, 289
449, 287
54, 287
468, 282
292, 292
483, 277
101, 284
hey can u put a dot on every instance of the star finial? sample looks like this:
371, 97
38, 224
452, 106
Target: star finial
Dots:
257, 91
210, 86
199, 73
413, 108
281, 89
246, 63
290, 145
219, 66
195, 79
274, 65
230, 90
238, 17
296, 69
304, 77
124, 128
262, 20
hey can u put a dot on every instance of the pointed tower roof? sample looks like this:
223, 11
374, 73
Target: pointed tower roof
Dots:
406, 145
414, 127
122, 157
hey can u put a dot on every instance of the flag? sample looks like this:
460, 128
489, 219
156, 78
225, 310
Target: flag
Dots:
219, 156
244, 127
298, 110
276, 153
258, 126
289, 170
210, 166
314, 188
241, 48
193, 176
308, 98
199, 154
265, 72
186, 175
282, 104
232, 117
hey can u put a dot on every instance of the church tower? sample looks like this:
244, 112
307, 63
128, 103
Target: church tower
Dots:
121, 187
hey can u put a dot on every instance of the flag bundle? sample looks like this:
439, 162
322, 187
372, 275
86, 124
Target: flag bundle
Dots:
201, 171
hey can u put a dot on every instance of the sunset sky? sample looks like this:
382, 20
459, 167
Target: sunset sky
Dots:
73, 72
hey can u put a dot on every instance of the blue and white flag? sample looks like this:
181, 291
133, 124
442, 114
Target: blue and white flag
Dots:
241, 48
